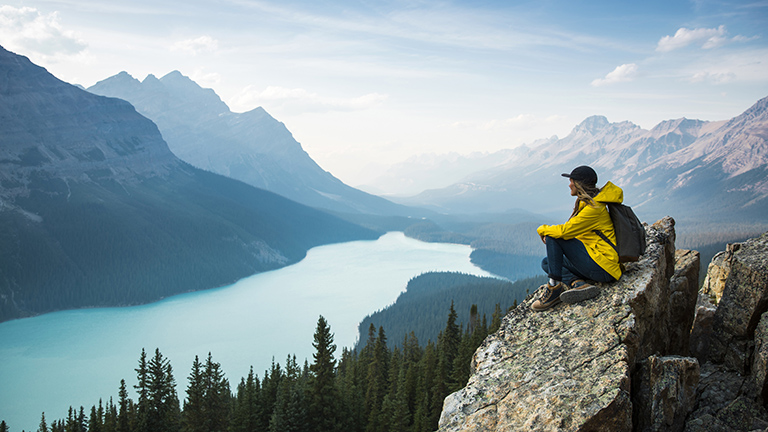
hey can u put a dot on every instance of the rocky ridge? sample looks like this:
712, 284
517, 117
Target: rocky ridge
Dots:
650, 353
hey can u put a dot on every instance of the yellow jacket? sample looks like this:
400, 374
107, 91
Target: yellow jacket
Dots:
582, 226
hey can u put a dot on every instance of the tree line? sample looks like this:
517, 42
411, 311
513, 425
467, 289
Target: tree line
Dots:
376, 388
421, 307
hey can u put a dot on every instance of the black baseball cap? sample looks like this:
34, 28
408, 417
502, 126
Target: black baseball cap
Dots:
583, 174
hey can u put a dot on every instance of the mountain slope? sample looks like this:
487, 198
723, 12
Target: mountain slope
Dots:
252, 147
705, 171
95, 210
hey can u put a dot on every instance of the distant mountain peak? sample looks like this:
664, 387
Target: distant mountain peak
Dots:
252, 147
759, 109
123, 75
175, 74
178, 80
681, 126
121, 80
593, 124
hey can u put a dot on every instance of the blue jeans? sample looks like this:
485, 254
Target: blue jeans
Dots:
568, 260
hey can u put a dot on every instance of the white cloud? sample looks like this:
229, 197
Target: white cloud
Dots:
708, 38
27, 30
197, 45
713, 77
745, 66
205, 79
623, 73
301, 100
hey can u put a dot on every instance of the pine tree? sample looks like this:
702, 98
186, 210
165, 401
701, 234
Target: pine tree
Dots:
71, 422
290, 414
194, 416
217, 397
323, 397
101, 415
448, 349
412, 354
348, 385
400, 420
422, 419
110, 414
43, 425
496, 319
474, 319
123, 421
158, 408
388, 404
95, 421
269, 388
363, 369
81, 422
245, 413
462, 361
142, 388
377, 381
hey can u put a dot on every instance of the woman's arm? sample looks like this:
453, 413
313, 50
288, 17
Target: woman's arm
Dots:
585, 221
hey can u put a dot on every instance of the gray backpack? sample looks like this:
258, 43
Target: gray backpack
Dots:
630, 233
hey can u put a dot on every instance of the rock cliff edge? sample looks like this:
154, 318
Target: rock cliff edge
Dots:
650, 353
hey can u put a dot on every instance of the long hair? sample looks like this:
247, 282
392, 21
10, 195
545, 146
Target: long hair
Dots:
585, 194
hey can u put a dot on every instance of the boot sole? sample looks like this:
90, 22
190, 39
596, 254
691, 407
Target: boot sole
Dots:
577, 295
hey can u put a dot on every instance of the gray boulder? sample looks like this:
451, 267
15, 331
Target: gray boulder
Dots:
744, 300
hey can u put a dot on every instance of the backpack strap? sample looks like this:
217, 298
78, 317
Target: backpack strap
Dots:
604, 237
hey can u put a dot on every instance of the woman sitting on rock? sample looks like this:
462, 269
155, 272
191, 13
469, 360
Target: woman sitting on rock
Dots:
576, 254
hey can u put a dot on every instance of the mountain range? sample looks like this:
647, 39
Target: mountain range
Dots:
95, 210
686, 168
251, 147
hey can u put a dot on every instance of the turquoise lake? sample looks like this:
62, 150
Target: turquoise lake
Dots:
77, 357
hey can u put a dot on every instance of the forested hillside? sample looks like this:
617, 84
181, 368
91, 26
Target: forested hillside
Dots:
421, 308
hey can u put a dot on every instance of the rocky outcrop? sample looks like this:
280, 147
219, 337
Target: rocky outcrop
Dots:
665, 392
732, 341
623, 361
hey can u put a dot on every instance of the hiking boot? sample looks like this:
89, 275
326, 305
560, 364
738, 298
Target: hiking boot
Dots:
580, 290
549, 298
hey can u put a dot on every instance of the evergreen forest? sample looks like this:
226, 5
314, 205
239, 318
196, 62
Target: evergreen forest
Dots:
421, 307
376, 388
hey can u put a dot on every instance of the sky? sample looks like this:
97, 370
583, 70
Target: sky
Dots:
366, 84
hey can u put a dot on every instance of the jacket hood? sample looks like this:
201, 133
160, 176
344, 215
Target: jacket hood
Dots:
610, 194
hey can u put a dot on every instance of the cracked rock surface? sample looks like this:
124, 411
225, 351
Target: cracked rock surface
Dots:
569, 368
